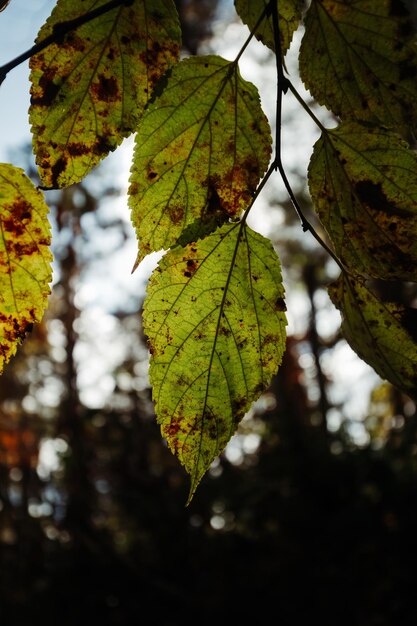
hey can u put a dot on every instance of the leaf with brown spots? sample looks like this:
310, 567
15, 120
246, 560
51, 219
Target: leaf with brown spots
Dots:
289, 13
382, 333
359, 58
201, 149
363, 183
25, 258
89, 89
215, 321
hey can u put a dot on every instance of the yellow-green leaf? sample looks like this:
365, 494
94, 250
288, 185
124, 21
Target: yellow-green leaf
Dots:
382, 333
360, 60
89, 90
289, 17
363, 182
201, 149
215, 322
25, 258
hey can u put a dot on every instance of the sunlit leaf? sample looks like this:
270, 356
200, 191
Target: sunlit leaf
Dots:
215, 322
363, 182
89, 90
201, 149
360, 60
25, 258
289, 14
382, 333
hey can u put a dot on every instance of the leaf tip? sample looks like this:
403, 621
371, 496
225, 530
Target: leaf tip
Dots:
136, 263
195, 481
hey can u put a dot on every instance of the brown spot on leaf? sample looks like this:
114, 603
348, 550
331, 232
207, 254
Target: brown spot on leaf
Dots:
103, 145
372, 195
14, 330
19, 249
20, 213
172, 429
238, 406
105, 89
192, 265
133, 189
57, 169
409, 321
176, 214
154, 58
48, 89
151, 347
77, 148
280, 305
74, 42
21, 209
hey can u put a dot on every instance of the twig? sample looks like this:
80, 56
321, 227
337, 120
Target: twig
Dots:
283, 84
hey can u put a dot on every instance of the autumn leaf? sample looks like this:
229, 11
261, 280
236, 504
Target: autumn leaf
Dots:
360, 60
25, 258
201, 149
215, 322
289, 15
90, 88
382, 333
364, 186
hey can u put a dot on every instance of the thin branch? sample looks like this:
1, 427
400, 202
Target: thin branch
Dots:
253, 31
272, 168
283, 84
59, 31
306, 107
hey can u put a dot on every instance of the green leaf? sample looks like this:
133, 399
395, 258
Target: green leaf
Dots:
215, 322
382, 333
363, 182
89, 90
289, 14
360, 60
201, 149
25, 258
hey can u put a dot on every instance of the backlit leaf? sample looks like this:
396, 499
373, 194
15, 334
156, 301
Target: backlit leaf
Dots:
289, 12
382, 333
25, 258
215, 322
201, 149
359, 58
89, 90
363, 182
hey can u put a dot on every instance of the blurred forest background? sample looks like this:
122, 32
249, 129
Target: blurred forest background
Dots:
309, 516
